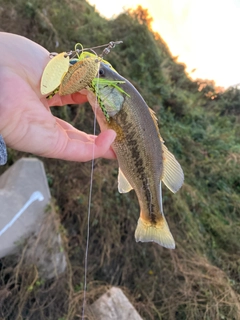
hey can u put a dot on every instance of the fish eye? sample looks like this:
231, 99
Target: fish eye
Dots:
101, 72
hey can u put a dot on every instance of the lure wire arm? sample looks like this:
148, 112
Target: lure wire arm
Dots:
111, 45
76, 52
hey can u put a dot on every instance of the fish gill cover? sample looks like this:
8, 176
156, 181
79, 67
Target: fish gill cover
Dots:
200, 125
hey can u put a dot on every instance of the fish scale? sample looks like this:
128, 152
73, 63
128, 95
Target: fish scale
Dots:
134, 156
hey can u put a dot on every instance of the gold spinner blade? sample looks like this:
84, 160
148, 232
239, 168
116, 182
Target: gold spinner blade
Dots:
54, 72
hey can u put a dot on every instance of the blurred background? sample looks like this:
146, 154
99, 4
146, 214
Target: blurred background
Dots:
199, 119
202, 34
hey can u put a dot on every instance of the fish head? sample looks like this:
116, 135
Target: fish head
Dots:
106, 71
108, 90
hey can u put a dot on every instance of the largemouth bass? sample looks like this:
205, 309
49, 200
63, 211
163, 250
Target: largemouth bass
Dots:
144, 160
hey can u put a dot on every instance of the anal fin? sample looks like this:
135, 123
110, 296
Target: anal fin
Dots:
123, 184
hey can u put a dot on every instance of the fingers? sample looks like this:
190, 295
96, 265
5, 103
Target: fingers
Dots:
64, 124
57, 100
79, 135
75, 145
78, 146
104, 140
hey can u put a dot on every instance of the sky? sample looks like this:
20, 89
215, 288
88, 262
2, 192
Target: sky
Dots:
204, 34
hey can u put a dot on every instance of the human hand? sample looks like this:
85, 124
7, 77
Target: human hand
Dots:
26, 121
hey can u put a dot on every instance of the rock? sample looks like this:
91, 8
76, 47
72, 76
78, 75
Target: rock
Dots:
44, 248
24, 196
113, 305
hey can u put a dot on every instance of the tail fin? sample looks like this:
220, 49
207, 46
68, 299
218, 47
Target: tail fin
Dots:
146, 232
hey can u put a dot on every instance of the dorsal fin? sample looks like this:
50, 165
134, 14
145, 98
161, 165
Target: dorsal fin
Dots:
154, 117
173, 176
155, 120
172, 172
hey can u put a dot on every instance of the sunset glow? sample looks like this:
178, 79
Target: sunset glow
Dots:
203, 34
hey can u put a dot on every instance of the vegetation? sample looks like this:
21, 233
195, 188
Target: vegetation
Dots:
200, 125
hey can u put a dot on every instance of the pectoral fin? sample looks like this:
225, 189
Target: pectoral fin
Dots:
123, 184
173, 176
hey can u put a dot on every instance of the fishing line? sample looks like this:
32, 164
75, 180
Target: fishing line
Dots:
89, 209
110, 46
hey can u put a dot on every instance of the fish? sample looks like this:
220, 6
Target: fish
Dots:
144, 160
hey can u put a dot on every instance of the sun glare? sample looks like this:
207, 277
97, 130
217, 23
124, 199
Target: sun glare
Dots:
203, 34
